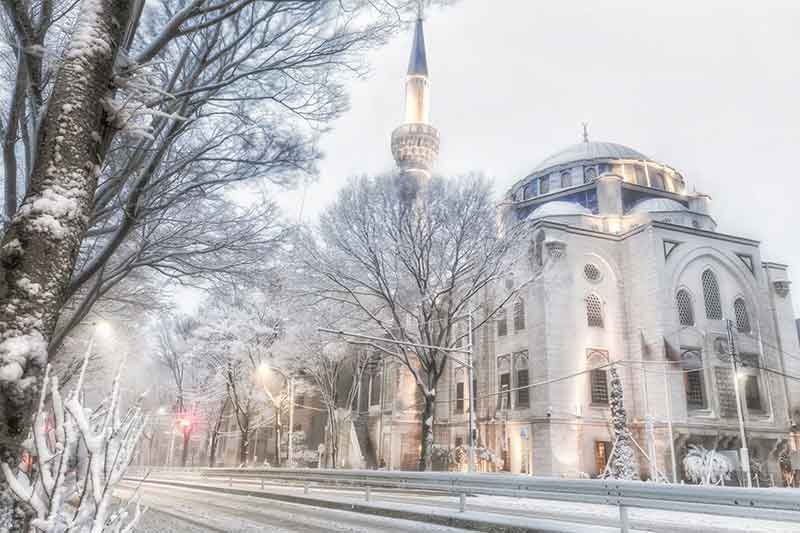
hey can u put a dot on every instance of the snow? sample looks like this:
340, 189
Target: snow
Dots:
88, 38
16, 351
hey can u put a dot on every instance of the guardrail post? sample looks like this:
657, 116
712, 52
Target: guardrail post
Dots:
623, 519
262, 483
305, 487
462, 502
368, 493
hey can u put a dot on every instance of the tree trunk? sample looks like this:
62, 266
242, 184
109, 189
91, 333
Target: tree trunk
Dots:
426, 450
277, 443
40, 247
333, 438
212, 452
187, 436
244, 446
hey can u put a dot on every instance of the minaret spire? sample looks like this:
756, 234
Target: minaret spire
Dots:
585, 132
415, 144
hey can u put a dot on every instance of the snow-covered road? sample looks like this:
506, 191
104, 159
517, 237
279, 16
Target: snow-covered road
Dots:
174, 510
581, 516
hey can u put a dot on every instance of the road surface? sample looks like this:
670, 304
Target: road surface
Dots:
196, 511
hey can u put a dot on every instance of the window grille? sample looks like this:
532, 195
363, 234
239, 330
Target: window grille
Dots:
742, 318
657, 180
591, 272
544, 185
594, 311
601, 451
505, 389
566, 179
685, 311
460, 397
695, 391
599, 386
589, 174
711, 296
519, 315
502, 323
523, 395
375, 385
529, 191
752, 395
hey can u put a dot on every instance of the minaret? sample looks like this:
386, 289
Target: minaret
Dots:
415, 144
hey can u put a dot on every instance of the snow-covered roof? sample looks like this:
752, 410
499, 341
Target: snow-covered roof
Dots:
586, 151
657, 205
558, 208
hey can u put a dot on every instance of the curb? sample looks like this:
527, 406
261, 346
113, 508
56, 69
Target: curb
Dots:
442, 518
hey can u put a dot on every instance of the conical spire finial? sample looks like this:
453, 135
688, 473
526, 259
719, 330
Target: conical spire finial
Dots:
418, 63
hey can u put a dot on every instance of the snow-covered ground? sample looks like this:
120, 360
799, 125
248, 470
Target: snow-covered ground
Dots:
174, 510
493, 507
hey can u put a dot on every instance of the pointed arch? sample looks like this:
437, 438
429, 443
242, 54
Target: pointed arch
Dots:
683, 303
711, 296
741, 314
594, 311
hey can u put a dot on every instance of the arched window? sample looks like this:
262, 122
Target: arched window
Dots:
594, 311
589, 174
519, 315
685, 310
502, 323
566, 179
711, 296
742, 318
657, 180
641, 175
544, 185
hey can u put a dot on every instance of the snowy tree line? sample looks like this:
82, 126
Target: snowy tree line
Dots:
125, 126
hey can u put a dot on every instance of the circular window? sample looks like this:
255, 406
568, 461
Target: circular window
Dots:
591, 272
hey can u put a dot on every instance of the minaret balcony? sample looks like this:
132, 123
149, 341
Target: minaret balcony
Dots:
415, 145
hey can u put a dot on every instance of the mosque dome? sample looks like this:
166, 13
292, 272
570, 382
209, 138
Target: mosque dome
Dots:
558, 208
588, 151
657, 205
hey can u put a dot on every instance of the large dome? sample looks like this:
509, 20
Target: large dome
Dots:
587, 151
558, 209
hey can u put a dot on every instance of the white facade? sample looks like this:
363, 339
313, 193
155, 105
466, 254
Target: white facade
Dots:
624, 266
607, 260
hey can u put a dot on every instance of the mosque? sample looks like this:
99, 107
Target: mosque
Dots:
626, 266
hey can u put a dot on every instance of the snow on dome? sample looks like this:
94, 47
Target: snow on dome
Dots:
558, 208
587, 151
657, 205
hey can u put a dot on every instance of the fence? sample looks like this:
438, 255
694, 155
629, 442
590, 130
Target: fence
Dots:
765, 503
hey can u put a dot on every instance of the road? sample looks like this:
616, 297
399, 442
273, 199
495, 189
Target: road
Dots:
197, 511
570, 516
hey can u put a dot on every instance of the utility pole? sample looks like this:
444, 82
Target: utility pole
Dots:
291, 421
743, 451
471, 378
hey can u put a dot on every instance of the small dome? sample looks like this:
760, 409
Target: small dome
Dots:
656, 205
587, 151
558, 209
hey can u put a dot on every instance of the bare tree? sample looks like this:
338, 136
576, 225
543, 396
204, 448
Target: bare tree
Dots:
335, 367
413, 266
176, 354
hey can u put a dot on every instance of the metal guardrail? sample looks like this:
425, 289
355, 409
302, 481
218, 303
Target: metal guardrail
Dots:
780, 504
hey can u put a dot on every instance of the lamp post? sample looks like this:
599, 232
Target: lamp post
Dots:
743, 451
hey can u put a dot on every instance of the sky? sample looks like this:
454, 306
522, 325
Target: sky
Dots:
709, 87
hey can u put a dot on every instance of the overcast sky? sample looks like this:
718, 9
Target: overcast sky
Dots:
709, 87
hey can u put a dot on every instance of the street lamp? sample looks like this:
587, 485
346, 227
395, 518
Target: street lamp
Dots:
263, 370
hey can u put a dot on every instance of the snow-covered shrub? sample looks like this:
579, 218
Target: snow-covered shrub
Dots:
78, 456
622, 464
706, 467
